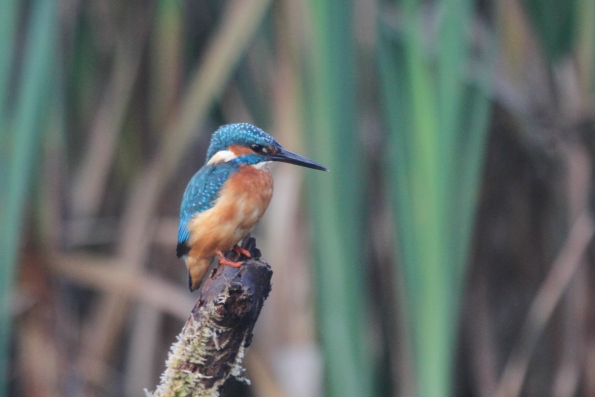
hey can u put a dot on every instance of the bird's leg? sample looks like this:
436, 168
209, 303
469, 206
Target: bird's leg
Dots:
242, 251
224, 261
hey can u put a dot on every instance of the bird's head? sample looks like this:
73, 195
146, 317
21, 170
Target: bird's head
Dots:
253, 145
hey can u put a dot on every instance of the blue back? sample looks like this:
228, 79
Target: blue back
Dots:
204, 187
201, 193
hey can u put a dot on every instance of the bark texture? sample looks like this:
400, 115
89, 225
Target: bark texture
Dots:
212, 344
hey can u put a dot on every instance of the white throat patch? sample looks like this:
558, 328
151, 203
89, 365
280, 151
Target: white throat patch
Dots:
261, 165
222, 156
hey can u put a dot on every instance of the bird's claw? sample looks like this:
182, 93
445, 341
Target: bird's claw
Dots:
224, 261
242, 251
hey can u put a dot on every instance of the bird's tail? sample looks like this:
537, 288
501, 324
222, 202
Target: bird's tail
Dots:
197, 268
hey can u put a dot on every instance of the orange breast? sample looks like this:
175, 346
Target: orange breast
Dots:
242, 202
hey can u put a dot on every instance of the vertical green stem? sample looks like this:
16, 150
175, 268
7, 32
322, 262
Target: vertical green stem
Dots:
8, 19
22, 146
336, 200
434, 175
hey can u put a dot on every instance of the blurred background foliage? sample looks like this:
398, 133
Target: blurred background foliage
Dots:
448, 251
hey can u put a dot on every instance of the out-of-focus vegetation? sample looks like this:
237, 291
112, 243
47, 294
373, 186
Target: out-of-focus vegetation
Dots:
447, 252
435, 151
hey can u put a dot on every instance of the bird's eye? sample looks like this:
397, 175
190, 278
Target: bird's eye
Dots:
260, 149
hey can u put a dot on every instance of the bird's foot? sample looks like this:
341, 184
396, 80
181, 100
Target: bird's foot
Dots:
242, 251
224, 261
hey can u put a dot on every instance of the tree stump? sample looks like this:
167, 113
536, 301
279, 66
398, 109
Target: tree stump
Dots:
212, 344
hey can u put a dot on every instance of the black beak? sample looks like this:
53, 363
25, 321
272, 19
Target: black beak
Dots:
286, 156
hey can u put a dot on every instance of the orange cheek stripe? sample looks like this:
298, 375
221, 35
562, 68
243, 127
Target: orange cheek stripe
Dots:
240, 150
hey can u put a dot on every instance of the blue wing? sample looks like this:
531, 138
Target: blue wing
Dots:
200, 195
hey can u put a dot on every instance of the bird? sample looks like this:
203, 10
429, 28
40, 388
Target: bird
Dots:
226, 198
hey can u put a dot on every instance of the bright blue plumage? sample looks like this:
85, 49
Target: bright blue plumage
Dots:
201, 193
242, 134
233, 149
203, 189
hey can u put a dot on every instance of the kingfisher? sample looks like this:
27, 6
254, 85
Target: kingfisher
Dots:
226, 198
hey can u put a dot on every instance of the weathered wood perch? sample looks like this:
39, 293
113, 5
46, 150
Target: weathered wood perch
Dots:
212, 344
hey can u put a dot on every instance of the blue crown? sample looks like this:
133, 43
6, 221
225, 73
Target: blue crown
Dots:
242, 134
